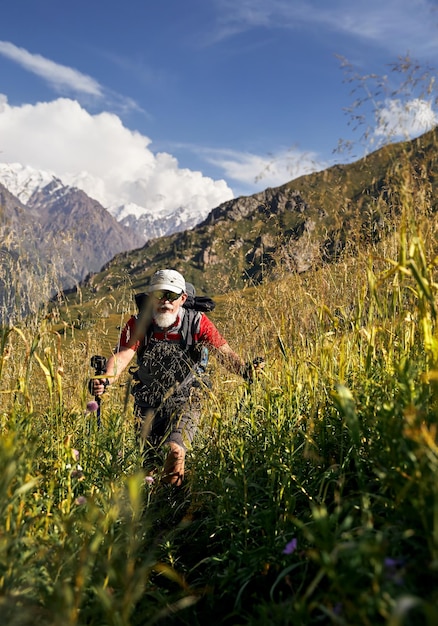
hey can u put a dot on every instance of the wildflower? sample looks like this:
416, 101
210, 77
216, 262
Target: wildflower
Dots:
337, 609
75, 454
291, 546
80, 500
78, 473
92, 406
394, 570
149, 479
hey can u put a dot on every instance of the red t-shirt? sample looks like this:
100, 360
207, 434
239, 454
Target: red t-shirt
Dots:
208, 333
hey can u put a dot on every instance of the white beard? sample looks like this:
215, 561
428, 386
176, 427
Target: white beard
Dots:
164, 320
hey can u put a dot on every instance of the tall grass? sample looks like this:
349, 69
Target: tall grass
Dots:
311, 494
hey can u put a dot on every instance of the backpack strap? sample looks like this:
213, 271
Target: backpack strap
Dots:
190, 326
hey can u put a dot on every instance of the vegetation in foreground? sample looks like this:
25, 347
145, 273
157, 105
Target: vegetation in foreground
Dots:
311, 496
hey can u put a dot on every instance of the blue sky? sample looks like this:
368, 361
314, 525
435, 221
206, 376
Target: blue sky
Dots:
189, 103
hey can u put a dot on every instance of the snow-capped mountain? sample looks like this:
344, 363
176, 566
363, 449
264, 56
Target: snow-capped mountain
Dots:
69, 231
23, 182
59, 234
152, 225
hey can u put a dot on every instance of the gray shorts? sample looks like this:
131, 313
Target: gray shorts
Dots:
174, 422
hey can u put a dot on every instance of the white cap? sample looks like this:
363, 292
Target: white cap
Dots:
167, 280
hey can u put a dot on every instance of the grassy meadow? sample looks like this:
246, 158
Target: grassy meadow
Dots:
311, 495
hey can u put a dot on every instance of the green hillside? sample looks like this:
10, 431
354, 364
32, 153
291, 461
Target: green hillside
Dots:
301, 226
311, 494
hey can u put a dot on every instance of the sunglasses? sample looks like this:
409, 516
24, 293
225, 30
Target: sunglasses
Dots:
171, 296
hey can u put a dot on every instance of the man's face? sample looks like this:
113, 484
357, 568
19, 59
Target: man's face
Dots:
166, 306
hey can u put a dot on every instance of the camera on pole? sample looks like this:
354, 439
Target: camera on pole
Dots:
98, 363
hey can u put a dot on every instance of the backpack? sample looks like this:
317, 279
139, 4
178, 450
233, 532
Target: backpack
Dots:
194, 304
196, 354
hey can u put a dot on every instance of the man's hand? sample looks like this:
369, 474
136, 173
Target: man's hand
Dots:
253, 367
97, 386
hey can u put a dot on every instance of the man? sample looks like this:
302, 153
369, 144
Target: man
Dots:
170, 342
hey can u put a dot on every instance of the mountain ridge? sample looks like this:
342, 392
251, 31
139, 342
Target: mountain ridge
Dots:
55, 240
295, 227
24, 182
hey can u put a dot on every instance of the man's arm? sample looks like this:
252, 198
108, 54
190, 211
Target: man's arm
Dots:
230, 359
224, 353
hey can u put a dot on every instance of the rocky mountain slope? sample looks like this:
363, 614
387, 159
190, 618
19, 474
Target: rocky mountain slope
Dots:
65, 227
310, 221
296, 227
147, 223
52, 241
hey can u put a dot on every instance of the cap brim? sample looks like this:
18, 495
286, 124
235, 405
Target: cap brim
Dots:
165, 287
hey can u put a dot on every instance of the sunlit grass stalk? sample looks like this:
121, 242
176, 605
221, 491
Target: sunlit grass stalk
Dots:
312, 490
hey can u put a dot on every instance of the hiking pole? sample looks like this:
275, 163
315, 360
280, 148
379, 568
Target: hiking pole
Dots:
98, 363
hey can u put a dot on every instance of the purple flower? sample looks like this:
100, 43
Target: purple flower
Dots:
149, 479
92, 406
394, 569
337, 609
81, 500
75, 454
291, 546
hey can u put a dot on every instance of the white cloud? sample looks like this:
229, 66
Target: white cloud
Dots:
98, 154
266, 171
393, 24
405, 119
67, 80
60, 77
